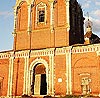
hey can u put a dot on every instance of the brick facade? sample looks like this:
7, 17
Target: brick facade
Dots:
44, 60
65, 68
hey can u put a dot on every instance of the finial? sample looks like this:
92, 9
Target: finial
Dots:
88, 23
88, 15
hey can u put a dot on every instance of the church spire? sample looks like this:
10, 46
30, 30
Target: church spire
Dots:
88, 24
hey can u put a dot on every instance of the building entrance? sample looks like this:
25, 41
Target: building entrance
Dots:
39, 80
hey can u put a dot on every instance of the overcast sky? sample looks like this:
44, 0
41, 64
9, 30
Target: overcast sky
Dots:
6, 19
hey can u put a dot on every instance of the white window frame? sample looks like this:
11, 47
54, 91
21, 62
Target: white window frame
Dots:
41, 5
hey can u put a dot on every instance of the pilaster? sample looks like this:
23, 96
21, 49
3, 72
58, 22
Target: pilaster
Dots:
68, 71
51, 15
67, 15
25, 86
15, 20
51, 75
10, 77
29, 19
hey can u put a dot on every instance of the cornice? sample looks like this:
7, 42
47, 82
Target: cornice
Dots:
51, 51
86, 48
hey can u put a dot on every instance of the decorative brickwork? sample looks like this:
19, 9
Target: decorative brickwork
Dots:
42, 62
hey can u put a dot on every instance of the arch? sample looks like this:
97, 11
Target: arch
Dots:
82, 68
41, 7
18, 2
37, 61
85, 58
22, 10
31, 71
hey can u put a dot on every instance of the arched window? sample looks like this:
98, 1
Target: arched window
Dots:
41, 13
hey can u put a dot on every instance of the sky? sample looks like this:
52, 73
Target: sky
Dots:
6, 20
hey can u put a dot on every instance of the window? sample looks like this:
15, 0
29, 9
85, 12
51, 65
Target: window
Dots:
41, 13
41, 16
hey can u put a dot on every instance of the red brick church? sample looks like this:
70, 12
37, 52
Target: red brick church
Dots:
51, 55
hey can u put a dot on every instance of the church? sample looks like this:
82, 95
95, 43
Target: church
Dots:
50, 55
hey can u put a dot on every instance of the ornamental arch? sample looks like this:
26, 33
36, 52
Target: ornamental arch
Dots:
22, 16
19, 1
38, 74
84, 75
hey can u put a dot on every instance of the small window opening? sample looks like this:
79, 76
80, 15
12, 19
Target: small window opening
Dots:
41, 15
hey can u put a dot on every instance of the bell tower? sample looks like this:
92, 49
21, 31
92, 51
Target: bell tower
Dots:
47, 24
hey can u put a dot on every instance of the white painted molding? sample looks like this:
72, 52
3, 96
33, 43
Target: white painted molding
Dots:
39, 6
67, 15
10, 77
50, 51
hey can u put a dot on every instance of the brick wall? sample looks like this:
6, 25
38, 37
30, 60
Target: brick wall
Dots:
85, 65
4, 72
18, 77
60, 70
41, 36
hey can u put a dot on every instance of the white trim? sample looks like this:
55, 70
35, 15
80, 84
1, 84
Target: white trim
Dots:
37, 14
82, 74
25, 85
67, 64
51, 16
10, 77
26, 76
15, 20
19, 1
70, 73
67, 15
29, 18
49, 51
51, 75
